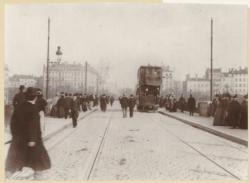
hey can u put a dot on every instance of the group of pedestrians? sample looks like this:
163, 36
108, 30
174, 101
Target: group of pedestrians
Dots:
61, 104
105, 100
127, 102
171, 104
230, 110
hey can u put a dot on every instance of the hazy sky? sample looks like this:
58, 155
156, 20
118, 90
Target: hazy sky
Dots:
126, 36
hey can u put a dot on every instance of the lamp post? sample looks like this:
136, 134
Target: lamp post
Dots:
211, 69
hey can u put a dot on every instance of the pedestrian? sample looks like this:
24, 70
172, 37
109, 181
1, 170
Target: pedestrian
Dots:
74, 110
90, 99
96, 100
215, 103
61, 106
124, 105
103, 102
68, 101
191, 105
131, 105
182, 103
41, 104
234, 112
26, 149
218, 115
19, 98
244, 113
112, 99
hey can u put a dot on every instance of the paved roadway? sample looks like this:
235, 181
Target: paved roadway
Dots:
149, 146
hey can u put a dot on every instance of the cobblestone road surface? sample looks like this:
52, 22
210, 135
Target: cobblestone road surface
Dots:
149, 146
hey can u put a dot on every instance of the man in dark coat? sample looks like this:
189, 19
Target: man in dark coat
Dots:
244, 114
182, 103
234, 112
19, 98
124, 105
74, 110
191, 105
103, 102
131, 105
61, 106
27, 149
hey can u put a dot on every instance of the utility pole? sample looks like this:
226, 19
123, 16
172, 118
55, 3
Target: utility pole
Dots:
86, 75
211, 72
47, 79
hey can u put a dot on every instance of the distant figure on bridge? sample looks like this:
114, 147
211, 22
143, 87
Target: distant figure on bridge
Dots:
112, 99
26, 148
74, 110
19, 98
191, 105
61, 106
182, 103
103, 102
124, 105
131, 105
96, 100
234, 112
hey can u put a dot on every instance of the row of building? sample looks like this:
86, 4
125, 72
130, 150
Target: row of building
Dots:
234, 81
63, 76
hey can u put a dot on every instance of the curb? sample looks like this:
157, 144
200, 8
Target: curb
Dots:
209, 130
48, 136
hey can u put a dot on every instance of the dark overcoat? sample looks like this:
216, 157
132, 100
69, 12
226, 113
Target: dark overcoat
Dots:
18, 99
234, 113
25, 127
244, 115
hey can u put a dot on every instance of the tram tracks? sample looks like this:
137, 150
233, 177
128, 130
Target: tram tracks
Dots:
161, 123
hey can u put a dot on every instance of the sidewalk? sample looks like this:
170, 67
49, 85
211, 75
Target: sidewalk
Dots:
52, 126
206, 123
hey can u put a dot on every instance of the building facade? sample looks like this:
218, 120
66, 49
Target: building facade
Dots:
66, 77
235, 81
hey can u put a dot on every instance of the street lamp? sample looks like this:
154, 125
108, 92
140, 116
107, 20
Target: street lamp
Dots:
59, 54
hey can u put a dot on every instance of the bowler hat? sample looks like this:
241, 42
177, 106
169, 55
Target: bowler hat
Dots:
21, 87
30, 93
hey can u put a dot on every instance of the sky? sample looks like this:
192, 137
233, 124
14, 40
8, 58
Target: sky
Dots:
125, 36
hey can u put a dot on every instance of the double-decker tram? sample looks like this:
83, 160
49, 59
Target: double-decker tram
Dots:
149, 80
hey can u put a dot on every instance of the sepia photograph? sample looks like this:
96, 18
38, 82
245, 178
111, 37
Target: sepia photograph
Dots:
126, 91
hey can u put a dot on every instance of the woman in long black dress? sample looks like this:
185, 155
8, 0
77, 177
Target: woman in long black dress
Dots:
27, 149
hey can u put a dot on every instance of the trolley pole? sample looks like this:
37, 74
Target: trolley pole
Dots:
47, 78
211, 72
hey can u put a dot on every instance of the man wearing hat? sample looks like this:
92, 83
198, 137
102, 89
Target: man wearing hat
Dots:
61, 106
26, 148
131, 105
19, 98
